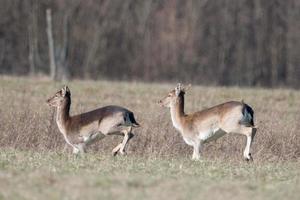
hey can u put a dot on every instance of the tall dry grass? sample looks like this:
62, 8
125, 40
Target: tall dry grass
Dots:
26, 122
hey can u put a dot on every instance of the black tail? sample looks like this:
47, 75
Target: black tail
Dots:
248, 116
130, 120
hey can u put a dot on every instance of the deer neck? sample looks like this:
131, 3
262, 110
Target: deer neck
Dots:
63, 115
177, 113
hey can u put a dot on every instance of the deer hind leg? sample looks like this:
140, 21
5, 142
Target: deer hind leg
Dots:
121, 147
250, 134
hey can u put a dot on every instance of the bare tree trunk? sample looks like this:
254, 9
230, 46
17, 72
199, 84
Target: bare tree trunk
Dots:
281, 44
31, 53
34, 54
91, 53
51, 45
31, 35
2, 51
62, 52
62, 48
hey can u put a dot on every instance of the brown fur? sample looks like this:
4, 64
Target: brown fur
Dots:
84, 128
209, 124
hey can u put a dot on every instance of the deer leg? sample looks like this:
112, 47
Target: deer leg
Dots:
250, 133
127, 137
121, 147
196, 152
76, 151
116, 149
79, 148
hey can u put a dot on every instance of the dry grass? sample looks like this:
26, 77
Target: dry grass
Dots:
27, 123
32, 165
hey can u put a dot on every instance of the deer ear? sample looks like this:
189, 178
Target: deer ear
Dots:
64, 90
67, 89
187, 87
178, 89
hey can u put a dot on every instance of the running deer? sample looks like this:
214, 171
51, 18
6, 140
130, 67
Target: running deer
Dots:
83, 129
210, 124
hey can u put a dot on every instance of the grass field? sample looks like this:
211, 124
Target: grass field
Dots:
158, 165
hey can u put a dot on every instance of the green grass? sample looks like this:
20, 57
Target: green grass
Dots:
52, 175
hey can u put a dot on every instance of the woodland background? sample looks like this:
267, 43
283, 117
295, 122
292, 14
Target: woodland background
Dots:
210, 42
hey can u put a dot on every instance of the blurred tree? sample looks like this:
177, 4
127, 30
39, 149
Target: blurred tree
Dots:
235, 42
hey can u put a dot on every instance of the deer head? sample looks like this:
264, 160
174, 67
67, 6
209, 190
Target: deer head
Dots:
174, 95
59, 97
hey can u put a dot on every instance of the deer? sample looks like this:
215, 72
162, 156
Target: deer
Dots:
210, 124
81, 130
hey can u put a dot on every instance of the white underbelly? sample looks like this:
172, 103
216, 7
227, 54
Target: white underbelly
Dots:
188, 141
211, 135
93, 137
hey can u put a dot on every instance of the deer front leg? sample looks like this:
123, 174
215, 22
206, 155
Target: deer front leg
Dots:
79, 148
196, 152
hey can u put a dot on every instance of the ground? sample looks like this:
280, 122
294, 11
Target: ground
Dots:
33, 164
52, 175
